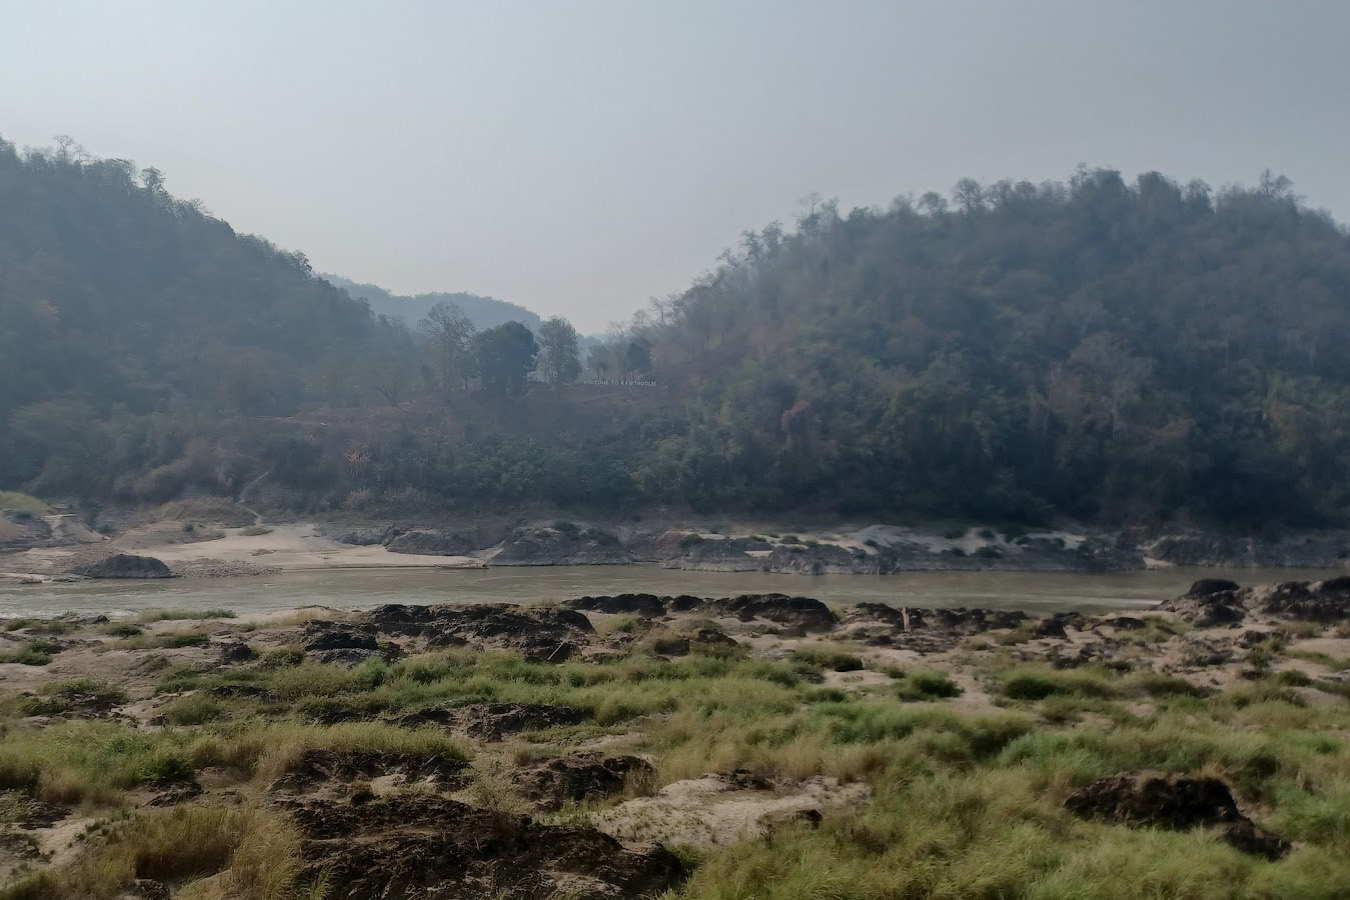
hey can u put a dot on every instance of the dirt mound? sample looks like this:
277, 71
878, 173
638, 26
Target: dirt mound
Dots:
315, 767
552, 784
431, 848
543, 635
493, 721
1177, 802
124, 565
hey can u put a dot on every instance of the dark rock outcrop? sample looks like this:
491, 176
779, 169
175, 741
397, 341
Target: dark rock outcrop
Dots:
718, 556
1207, 587
541, 634
1177, 802
554, 783
822, 559
1210, 603
1317, 601
431, 847
1214, 602
493, 721
648, 605
566, 544
432, 543
1316, 551
125, 565
799, 613
316, 767
337, 636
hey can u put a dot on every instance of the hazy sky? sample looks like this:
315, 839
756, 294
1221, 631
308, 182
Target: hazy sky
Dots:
581, 156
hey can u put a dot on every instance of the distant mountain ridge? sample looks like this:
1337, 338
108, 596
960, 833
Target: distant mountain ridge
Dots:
484, 312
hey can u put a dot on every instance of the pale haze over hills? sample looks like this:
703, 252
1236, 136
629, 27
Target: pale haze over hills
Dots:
579, 158
483, 312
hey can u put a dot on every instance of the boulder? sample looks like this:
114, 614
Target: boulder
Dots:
125, 565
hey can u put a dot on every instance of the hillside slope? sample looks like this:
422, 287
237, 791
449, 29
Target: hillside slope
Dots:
120, 302
483, 312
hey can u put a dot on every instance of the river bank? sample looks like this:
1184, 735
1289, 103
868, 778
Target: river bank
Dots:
215, 539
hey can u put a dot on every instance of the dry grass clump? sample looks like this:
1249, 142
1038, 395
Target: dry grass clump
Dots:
91, 763
269, 751
218, 852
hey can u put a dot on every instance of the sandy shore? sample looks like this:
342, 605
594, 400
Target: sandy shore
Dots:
283, 548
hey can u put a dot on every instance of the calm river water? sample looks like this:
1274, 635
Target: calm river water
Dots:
364, 588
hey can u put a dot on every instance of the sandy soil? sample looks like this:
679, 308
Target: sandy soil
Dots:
285, 548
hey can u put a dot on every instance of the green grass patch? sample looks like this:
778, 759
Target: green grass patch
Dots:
925, 686
150, 616
23, 503
36, 652
821, 656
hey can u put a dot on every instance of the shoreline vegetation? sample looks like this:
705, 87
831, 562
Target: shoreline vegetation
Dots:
681, 747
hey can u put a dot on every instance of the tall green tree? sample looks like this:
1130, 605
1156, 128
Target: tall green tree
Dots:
559, 354
449, 335
506, 356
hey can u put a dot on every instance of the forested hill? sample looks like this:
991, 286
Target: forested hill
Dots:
119, 301
1109, 350
483, 312
1103, 348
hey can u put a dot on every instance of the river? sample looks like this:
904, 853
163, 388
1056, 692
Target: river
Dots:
364, 588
